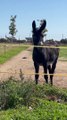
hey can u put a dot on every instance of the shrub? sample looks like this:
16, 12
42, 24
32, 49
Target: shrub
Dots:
19, 93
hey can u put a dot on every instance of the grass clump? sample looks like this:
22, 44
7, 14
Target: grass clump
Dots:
16, 93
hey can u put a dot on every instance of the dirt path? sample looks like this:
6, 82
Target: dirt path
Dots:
24, 62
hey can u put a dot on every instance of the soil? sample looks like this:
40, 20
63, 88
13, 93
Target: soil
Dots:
22, 63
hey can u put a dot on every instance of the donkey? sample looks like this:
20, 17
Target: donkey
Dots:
47, 57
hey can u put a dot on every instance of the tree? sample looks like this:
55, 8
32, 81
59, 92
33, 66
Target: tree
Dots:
45, 30
12, 27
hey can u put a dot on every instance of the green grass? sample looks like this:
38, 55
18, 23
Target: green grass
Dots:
45, 111
11, 51
46, 102
63, 52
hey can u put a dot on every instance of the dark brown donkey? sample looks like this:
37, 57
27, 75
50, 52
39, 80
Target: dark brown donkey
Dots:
47, 57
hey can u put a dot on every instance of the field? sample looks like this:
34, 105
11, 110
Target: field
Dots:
9, 50
63, 53
23, 61
21, 99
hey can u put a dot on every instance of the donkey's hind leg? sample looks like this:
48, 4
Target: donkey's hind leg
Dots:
52, 70
36, 72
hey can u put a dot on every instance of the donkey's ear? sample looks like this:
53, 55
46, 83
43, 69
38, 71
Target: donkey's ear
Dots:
33, 26
43, 25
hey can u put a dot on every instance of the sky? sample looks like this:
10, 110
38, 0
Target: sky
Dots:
54, 11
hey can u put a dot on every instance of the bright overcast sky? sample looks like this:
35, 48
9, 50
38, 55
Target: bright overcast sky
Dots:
54, 11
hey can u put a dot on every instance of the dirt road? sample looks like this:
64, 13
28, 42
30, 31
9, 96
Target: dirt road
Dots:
24, 62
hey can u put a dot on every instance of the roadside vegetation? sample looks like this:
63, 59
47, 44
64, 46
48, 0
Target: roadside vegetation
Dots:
23, 100
7, 51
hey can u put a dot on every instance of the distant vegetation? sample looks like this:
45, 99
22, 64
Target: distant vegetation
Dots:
63, 41
12, 27
29, 40
11, 40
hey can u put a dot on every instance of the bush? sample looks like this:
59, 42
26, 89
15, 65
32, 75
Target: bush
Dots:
18, 93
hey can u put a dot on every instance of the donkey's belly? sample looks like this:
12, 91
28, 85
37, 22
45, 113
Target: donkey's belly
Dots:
42, 58
41, 61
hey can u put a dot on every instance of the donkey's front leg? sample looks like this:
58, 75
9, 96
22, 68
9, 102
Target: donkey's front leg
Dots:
45, 74
36, 72
51, 74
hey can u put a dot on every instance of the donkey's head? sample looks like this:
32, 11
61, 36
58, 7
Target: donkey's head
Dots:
38, 33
